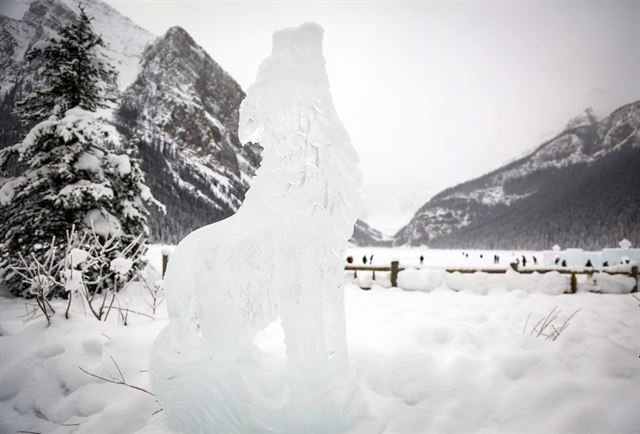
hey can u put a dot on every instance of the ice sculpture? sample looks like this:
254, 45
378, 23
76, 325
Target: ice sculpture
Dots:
280, 256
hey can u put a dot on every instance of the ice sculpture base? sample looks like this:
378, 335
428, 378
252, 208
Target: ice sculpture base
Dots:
250, 394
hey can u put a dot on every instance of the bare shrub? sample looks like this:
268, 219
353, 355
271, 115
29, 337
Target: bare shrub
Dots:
91, 269
548, 326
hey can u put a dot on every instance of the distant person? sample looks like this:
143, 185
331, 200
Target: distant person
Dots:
421, 259
466, 255
524, 261
371, 259
350, 259
480, 255
557, 260
364, 259
515, 264
497, 259
605, 264
564, 262
535, 261
588, 264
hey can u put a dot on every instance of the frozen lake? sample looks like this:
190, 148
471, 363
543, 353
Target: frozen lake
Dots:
410, 257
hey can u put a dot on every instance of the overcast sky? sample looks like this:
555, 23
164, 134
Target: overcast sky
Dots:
434, 93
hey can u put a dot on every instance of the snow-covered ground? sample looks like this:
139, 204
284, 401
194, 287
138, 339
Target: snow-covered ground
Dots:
460, 362
438, 361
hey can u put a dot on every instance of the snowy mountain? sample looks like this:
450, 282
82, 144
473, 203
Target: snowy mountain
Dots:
174, 97
366, 236
35, 20
581, 188
124, 40
184, 107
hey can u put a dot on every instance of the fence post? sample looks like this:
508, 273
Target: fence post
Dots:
634, 274
394, 274
373, 275
165, 261
574, 283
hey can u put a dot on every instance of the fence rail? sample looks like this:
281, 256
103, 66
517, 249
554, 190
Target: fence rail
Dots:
394, 268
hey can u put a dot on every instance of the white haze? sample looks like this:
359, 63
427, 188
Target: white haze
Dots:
434, 93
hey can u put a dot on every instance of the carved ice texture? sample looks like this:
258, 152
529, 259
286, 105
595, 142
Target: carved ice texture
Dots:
280, 256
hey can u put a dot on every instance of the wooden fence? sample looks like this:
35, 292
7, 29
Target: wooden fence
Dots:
395, 268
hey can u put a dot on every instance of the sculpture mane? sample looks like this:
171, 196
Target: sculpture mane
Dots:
308, 158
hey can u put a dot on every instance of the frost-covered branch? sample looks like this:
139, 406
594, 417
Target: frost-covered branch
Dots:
90, 264
117, 380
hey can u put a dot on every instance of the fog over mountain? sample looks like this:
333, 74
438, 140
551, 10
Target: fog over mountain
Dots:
579, 189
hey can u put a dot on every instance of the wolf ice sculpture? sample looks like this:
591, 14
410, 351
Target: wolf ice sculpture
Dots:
281, 255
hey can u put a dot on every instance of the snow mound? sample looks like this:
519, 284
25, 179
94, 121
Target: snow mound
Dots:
89, 162
614, 284
551, 283
121, 162
103, 222
8, 190
121, 265
421, 280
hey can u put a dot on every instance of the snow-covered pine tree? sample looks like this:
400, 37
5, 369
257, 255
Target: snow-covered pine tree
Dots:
73, 171
74, 73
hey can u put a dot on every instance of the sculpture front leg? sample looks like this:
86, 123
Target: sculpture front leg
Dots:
307, 358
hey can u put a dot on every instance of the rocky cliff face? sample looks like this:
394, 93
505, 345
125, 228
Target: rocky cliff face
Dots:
365, 235
184, 108
581, 188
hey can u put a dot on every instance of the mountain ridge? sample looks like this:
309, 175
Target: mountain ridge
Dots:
184, 109
477, 201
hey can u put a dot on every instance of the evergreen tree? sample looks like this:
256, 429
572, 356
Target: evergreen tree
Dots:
74, 74
73, 173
